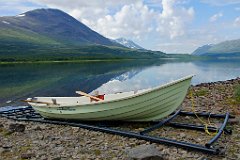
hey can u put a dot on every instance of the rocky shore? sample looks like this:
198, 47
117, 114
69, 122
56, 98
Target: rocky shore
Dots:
29, 140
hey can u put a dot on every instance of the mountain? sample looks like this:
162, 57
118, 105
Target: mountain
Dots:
229, 48
53, 35
128, 43
203, 49
51, 25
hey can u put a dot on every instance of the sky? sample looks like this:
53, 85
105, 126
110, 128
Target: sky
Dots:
171, 26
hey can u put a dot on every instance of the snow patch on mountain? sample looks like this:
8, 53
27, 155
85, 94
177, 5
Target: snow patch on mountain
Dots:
20, 15
128, 43
5, 22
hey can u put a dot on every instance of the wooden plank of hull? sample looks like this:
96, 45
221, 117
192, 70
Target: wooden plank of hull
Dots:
150, 106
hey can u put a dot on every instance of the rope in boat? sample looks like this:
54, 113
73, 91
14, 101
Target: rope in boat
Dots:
202, 121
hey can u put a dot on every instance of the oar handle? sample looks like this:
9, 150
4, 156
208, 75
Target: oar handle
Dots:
88, 95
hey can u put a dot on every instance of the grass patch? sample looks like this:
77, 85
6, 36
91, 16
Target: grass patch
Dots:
234, 101
97, 152
6, 154
5, 133
202, 92
25, 148
237, 93
220, 88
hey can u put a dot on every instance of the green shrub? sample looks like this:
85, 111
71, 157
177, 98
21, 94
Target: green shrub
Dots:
202, 92
237, 93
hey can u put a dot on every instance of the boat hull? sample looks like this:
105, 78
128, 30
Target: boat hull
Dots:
148, 106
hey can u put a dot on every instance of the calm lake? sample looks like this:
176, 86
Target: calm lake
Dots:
18, 81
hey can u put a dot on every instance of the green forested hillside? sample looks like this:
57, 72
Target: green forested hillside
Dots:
32, 52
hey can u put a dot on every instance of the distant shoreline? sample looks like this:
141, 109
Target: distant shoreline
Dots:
66, 61
82, 61
119, 60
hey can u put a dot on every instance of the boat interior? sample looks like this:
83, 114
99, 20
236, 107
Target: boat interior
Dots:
81, 100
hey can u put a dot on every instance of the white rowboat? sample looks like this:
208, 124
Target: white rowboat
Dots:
144, 105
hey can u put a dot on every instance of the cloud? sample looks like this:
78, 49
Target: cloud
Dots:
89, 10
237, 22
215, 17
134, 20
173, 19
153, 3
137, 20
176, 47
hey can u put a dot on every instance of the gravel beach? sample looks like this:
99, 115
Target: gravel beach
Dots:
30, 140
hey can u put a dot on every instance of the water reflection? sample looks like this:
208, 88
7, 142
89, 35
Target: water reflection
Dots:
204, 71
19, 81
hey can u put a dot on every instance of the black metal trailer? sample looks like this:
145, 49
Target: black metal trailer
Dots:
26, 113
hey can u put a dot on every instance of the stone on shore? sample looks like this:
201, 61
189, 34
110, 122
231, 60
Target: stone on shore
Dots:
27, 155
234, 121
145, 152
15, 127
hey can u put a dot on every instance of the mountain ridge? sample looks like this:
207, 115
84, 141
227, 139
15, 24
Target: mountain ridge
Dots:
56, 25
202, 50
225, 48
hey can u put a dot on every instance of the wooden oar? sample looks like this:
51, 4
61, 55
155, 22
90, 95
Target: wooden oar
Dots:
47, 103
88, 95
